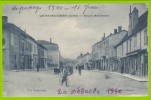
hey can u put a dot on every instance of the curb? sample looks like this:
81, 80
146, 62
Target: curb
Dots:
139, 79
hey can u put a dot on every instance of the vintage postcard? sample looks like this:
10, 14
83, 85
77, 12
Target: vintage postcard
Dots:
57, 50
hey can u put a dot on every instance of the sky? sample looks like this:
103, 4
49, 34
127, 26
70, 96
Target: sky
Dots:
74, 35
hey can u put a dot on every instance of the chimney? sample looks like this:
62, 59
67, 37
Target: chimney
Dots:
130, 9
50, 40
5, 19
119, 28
130, 22
134, 17
115, 31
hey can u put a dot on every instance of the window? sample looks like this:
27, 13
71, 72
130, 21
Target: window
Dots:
30, 47
107, 50
122, 50
130, 44
22, 46
127, 46
4, 41
12, 39
15, 40
35, 49
15, 59
135, 42
50, 58
145, 37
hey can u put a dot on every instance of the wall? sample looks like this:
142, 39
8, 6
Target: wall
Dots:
14, 50
6, 60
53, 58
34, 53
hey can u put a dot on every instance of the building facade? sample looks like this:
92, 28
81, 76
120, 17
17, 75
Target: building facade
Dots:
52, 53
16, 47
34, 51
42, 56
132, 51
84, 60
104, 53
10, 47
20, 50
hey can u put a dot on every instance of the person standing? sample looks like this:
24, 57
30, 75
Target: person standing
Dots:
79, 68
122, 68
38, 67
65, 75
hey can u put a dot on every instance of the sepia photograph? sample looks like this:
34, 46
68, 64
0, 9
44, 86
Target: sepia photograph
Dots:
64, 50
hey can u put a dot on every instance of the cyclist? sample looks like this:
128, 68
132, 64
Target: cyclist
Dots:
65, 75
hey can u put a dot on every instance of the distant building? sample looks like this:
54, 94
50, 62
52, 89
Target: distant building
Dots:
84, 60
132, 51
42, 56
104, 53
52, 53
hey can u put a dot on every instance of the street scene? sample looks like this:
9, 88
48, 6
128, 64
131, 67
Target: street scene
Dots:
59, 50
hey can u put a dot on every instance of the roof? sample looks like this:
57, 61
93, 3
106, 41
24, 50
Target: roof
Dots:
83, 55
108, 37
42, 46
46, 42
123, 40
10, 25
13, 26
48, 45
142, 23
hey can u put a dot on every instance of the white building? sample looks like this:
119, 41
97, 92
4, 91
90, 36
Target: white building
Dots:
104, 53
52, 53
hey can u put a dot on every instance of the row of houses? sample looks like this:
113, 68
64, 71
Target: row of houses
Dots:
122, 51
21, 51
132, 51
84, 60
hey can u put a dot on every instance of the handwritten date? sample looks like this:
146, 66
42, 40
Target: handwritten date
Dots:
114, 91
84, 8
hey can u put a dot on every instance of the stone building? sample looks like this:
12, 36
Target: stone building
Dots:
17, 48
52, 53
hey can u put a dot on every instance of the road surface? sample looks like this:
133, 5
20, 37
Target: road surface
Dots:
90, 83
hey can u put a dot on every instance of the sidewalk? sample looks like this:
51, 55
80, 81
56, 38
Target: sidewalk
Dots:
137, 78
